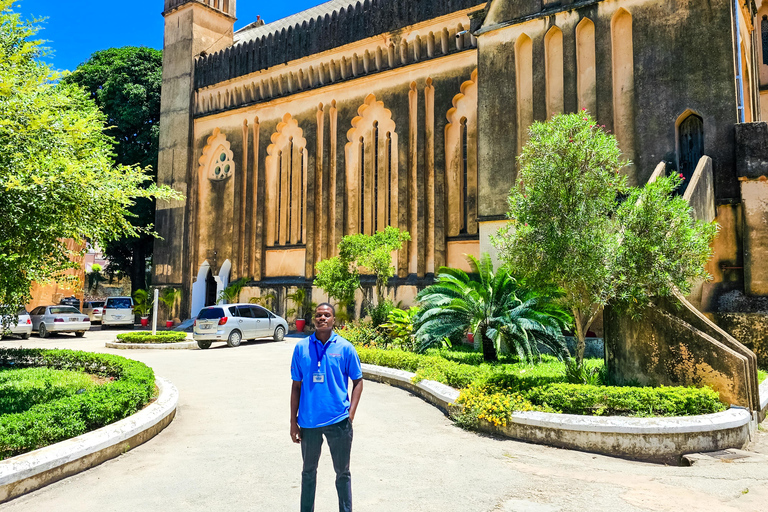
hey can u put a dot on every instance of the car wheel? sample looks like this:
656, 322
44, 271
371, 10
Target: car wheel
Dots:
25, 336
234, 338
204, 344
42, 331
80, 334
279, 333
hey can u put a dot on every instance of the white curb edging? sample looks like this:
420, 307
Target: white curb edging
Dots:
180, 345
30, 471
661, 439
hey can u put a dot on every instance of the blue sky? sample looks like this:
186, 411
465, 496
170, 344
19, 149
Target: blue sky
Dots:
74, 30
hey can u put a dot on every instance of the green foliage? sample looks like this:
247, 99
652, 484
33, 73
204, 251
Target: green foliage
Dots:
95, 277
169, 296
339, 276
131, 386
266, 300
762, 375
380, 312
148, 337
20, 389
583, 373
57, 175
125, 84
570, 230
299, 299
231, 293
399, 328
486, 403
142, 304
494, 307
626, 401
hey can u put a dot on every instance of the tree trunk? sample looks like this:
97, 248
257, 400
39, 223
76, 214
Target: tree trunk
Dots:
489, 349
580, 336
138, 267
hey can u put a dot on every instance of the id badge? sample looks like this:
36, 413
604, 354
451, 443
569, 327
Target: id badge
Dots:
318, 377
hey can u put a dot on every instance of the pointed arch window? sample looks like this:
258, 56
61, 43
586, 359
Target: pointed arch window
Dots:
371, 159
286, 181
764, 37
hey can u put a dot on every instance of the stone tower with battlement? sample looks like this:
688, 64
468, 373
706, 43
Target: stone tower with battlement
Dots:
193, 28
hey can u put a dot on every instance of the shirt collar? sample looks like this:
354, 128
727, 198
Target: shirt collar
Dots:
332, 339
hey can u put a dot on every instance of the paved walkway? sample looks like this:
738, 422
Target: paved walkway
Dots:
228, 450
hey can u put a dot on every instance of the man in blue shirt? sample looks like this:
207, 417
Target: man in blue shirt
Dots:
320, 406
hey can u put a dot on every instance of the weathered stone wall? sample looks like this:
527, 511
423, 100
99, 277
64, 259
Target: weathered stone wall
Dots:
751, 329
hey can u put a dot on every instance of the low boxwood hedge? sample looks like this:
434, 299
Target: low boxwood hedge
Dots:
148, 337
22, 388
131, 385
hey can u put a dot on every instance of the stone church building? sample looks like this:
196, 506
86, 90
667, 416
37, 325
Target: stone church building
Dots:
355, 115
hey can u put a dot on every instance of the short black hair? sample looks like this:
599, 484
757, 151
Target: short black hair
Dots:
328, 305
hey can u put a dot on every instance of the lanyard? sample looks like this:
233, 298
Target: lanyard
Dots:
319, 354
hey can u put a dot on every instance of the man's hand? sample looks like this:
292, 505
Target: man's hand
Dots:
295, 432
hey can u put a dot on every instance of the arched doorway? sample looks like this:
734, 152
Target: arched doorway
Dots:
210, 288
691, 140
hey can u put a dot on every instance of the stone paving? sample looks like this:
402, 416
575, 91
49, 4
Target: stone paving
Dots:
228, 450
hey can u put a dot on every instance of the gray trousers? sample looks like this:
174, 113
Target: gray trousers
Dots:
339, 436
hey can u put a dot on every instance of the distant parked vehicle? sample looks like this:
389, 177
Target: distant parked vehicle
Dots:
71, 301
94, 310
19, 324
117, 311
234, 323
55, 319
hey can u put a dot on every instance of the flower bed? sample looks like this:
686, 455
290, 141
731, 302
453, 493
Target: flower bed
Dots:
493, 392
148, 337
128, 386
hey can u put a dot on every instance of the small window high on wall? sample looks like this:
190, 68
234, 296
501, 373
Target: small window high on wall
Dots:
690, 135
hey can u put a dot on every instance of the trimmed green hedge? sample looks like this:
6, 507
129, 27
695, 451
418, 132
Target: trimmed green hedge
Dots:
131, 386
625, 401
21, 389
148, 337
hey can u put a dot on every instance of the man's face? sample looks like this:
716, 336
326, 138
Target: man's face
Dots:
324, 318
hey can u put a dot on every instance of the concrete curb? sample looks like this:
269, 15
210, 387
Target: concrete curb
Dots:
663, 440
181, 345
31, 471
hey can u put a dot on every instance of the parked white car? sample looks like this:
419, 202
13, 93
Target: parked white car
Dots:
55, 319
19, 324
234, 323
117, 311
94, 310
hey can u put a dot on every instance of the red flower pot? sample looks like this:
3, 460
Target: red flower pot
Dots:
300, 323
169, 323
470, 337
144, 322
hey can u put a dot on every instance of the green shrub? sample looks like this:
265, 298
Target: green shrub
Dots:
626, 401
148, 337
131, 386
20, 389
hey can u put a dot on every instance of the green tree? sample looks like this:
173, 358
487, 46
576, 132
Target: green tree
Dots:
339, 276
494, 307
571, 229
58, 179
125, 84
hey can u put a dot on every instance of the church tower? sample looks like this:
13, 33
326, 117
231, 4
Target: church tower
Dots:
193, 28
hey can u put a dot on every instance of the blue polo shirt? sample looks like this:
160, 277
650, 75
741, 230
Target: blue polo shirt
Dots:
324, 403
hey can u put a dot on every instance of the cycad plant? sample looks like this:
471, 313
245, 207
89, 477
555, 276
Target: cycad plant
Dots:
494, 307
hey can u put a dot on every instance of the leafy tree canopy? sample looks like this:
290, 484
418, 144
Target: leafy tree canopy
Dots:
571, 229
125, 84
58, 179
339, 276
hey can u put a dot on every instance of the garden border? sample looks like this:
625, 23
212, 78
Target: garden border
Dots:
31, 471
661, 439
179, 345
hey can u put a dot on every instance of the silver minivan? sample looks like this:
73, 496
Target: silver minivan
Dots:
234, 323
117, 311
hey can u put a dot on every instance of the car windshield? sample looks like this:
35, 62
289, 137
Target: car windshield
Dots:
209, 313
63, 310
119, 303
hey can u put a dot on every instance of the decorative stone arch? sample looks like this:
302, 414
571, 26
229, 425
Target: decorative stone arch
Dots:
524, 78
371, 169
586, 68
286, 184
623, 64
200, 285
553, 64
461, 161
689, 142
217, 162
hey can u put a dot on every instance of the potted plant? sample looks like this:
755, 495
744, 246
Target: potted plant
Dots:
142, 305
169, 296
298, 297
